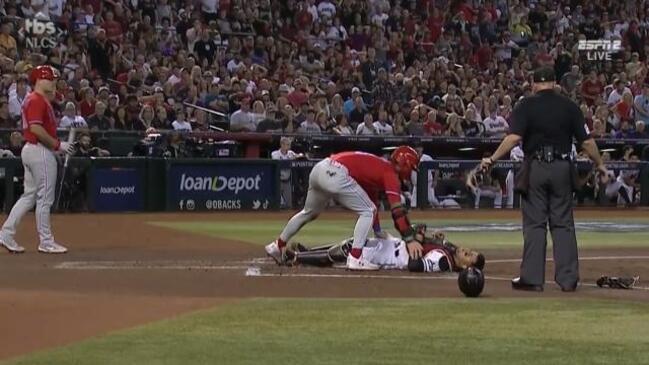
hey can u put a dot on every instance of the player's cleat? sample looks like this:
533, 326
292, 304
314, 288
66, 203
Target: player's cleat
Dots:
274, 252
52, 248
360, 264
12, 246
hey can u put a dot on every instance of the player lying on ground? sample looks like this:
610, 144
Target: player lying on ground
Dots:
355, 180
391, 253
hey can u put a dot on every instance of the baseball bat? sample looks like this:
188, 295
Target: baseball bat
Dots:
71, 136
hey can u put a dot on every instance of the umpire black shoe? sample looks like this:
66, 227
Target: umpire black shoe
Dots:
569, 289
517, 284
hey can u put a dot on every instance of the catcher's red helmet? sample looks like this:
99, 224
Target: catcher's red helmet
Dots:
43, 72
407, 159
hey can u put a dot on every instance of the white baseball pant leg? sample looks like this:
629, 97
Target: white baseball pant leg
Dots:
496, 195
432, 199
509, 185
329, 179
413, 194
624, 188
612, 189
39, 189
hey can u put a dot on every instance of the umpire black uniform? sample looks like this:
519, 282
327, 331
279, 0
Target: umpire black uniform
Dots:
547, 123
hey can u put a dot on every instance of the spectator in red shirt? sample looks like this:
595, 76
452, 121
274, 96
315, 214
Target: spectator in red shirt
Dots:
87, 104
303, 18
483, 55
432, 127
112, 27
592, 88
435, 24
623, 109
298, 96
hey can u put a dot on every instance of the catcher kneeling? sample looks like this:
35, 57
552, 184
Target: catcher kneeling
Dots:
391, 253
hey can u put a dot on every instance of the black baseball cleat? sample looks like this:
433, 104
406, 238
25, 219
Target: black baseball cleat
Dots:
517, 284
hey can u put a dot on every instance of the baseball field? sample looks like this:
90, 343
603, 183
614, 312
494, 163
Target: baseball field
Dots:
197, 289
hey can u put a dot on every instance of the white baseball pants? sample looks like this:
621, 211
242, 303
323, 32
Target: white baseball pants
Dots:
40, 189
331, 180
496, 195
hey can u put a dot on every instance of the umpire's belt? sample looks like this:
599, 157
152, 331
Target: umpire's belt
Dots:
550, 154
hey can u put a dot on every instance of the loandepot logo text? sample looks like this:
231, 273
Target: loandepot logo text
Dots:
117, 190
219, 183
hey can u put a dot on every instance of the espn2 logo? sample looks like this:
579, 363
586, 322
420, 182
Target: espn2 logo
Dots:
599, 50
40, 33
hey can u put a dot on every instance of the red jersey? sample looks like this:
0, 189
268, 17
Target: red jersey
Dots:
372, 173
38, 110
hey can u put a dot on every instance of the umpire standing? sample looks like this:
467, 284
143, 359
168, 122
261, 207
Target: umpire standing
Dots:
546, 123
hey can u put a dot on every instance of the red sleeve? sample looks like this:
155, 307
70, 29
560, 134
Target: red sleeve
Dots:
34, 112
392, 186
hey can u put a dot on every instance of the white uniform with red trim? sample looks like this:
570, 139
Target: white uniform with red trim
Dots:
391, 253
40, 171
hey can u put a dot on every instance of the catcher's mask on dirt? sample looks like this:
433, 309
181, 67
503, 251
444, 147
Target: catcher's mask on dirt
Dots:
471, 282
405, 160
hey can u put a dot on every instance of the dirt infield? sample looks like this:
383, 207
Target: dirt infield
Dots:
123, 272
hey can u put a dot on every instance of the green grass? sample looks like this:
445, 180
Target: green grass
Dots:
326, 230
345, 332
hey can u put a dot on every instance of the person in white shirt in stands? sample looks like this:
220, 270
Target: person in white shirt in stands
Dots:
181, 124
342, 127
71, 119
616, 94
367, 127
326, 9
17, 96
243, 120
285, 153
495, 125
382, 126
309, 126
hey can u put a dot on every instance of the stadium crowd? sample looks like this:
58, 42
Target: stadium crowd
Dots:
370, 67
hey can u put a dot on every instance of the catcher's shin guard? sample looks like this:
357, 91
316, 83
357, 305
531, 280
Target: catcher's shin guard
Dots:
324, 255
313, 258
339, 252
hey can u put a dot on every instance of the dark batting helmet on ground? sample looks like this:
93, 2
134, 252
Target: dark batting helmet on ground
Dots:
471, 281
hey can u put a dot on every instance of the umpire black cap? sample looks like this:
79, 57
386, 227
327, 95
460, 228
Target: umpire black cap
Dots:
544, 74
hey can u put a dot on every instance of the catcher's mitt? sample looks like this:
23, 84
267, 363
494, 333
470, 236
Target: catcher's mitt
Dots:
615, 282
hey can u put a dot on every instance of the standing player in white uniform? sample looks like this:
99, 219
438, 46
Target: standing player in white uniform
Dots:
39, 129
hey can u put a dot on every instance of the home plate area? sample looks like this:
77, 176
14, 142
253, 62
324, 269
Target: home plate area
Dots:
265, 267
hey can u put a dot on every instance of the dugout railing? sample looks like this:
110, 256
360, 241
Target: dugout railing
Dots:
259, 145
158, 184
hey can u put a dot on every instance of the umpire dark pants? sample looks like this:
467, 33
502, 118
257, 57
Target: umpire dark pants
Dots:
549, 201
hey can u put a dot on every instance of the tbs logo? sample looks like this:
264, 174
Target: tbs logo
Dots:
40, 34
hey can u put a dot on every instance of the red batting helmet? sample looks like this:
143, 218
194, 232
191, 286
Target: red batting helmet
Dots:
407, 159
43, 72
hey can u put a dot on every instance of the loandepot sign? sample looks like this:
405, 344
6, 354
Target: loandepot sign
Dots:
219, 183
595, 226
599, 50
